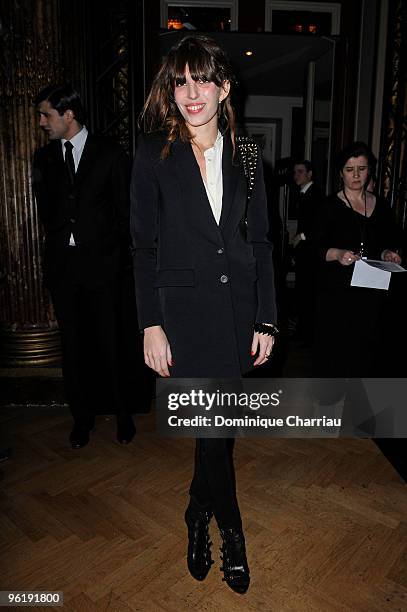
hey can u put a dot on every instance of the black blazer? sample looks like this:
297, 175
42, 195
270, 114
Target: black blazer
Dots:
309, 204
95, 210
205, 284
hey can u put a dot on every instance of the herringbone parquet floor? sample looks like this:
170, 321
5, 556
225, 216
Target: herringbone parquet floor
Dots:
325, 522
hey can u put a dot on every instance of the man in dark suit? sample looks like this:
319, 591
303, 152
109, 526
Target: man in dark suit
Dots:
309, 201
81, 184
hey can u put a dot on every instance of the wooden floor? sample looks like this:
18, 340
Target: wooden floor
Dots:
325, 522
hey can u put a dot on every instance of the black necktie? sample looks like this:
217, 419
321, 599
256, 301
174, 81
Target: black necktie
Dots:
69, 162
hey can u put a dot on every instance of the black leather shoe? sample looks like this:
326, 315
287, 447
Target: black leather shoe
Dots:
235, 568
199, 557
79, 436
126, 429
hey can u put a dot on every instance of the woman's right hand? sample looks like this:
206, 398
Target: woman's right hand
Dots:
157, 351
344, 256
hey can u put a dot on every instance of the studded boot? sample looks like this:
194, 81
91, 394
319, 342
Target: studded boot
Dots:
235, 568
199, 557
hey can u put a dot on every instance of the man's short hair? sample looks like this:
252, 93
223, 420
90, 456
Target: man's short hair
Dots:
306, 163
62, 97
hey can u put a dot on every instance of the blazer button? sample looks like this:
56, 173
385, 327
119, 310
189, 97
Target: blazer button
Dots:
219, 251
224, 278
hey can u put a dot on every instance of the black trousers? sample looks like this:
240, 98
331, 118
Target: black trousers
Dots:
306, 265
88, 319
213, 485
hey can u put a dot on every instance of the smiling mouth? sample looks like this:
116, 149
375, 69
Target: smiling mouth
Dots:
193, 109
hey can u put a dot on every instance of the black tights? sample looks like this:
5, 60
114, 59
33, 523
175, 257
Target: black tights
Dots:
213, 485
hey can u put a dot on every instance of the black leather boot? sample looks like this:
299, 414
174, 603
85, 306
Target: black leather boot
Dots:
199, 557
235, 568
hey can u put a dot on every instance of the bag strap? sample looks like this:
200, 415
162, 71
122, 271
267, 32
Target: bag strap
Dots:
249, 153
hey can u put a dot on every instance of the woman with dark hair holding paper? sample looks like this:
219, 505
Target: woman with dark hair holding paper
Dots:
203, 266
352, 224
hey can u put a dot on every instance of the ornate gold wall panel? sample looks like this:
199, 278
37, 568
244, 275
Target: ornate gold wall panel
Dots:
393, 155
30, 52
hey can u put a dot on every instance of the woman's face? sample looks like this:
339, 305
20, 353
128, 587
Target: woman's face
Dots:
198, 101
355, 172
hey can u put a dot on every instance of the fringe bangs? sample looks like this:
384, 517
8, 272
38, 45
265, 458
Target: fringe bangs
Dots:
200, 63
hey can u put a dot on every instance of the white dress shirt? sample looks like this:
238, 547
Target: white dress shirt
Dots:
305, 188
78, 144
214, 180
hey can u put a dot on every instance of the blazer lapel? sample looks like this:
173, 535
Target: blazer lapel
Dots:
87, 160
231, 173
58, 169
190, 177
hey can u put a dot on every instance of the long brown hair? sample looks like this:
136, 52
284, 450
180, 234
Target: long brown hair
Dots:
206, 60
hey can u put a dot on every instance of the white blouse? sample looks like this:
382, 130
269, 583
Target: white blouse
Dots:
214, 179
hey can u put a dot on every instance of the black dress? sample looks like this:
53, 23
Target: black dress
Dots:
350, 321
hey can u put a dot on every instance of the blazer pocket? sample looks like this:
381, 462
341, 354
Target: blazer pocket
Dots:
184, 277
252, 269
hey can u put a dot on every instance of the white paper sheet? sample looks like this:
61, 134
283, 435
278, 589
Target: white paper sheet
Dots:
374, 274
385, 265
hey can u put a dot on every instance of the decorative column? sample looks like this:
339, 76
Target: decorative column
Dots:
393, 150
30, 60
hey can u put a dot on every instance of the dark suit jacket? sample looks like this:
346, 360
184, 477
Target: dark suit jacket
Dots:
205, 284
309, 204
95, 211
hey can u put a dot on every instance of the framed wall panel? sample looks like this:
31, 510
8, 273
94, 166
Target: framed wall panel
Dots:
208, 4
334, 8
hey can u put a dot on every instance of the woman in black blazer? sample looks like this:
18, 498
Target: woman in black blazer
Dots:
203, 267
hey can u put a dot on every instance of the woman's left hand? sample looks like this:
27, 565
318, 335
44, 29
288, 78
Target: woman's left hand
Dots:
388, 255
264, 345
